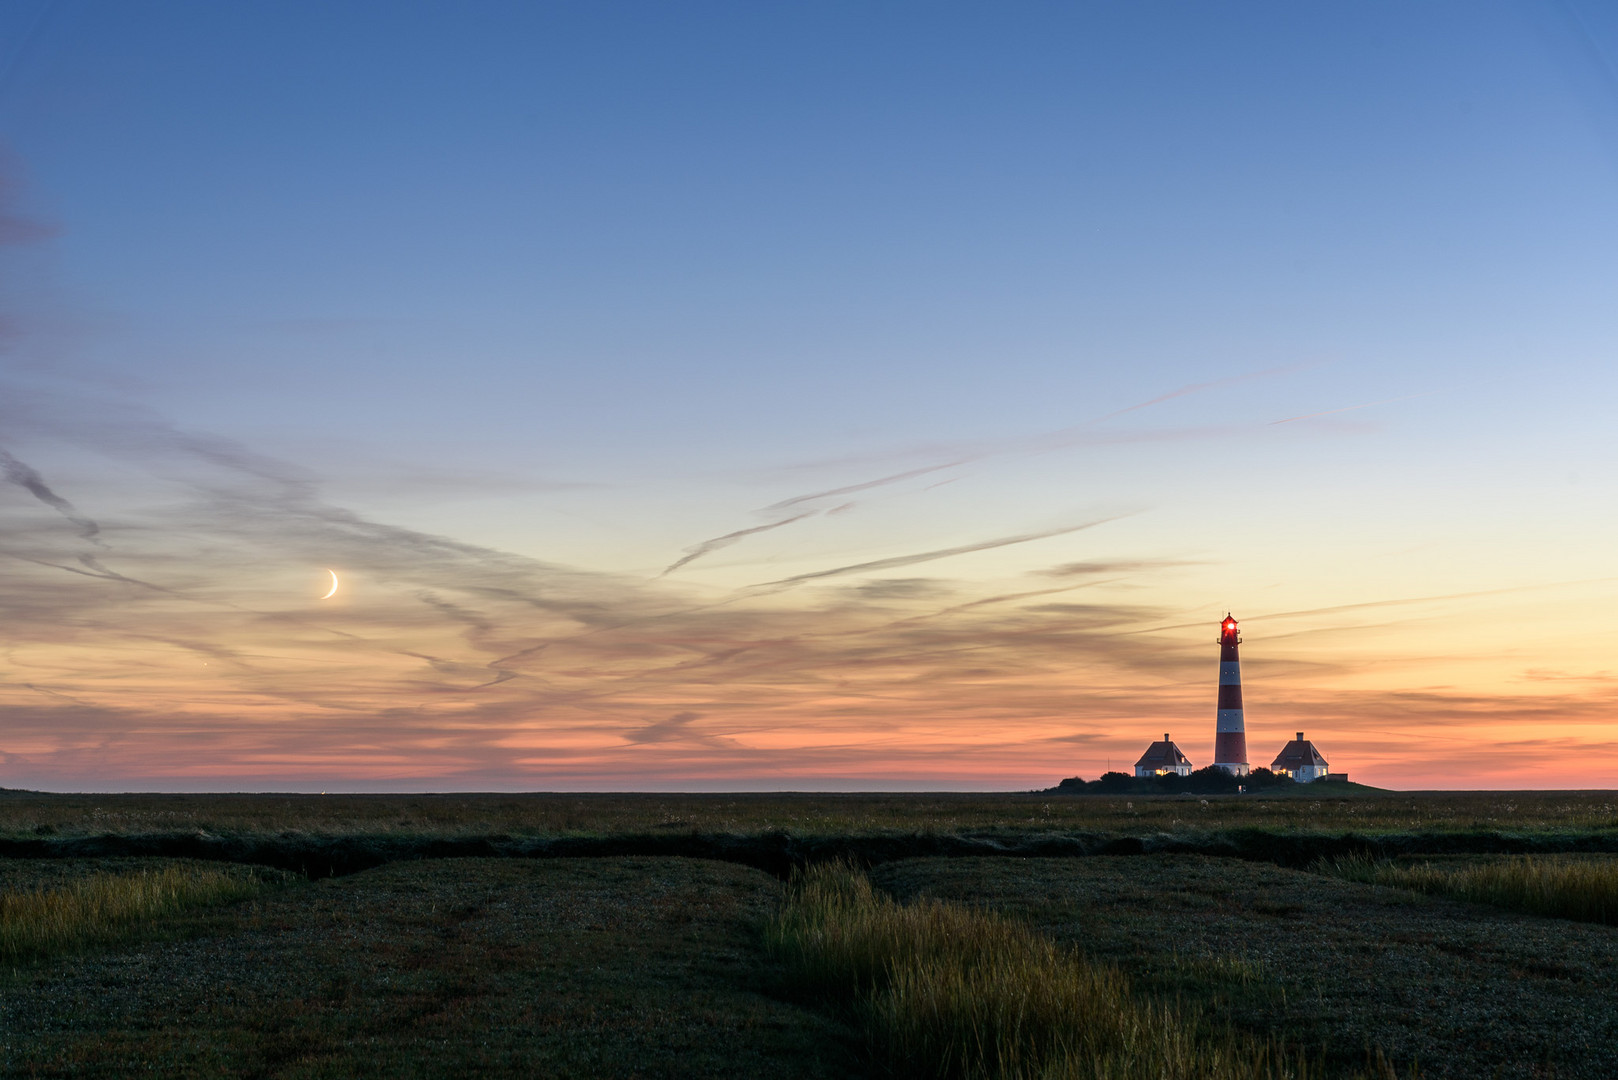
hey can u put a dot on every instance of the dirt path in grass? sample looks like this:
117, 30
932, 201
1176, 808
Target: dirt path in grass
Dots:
1465, 990
465, 967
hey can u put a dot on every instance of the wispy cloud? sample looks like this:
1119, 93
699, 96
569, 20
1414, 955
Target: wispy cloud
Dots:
1088, 433
864, 485
677, 728
183, 638
1098, 567
896, 561
188, 641
697, 551
1390, 602
24, 476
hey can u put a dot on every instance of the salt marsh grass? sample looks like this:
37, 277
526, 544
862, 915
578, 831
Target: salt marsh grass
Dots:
948, 991
1565, 887
101, 907
38, 816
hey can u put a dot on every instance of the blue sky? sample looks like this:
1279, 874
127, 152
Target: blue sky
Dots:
591, 284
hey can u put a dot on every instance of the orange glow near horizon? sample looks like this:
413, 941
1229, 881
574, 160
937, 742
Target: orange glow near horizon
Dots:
475, 687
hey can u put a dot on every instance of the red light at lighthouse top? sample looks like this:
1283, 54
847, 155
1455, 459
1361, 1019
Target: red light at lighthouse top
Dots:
1228, 631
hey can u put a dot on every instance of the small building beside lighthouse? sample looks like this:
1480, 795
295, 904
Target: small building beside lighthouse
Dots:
1300, 760
1163, 758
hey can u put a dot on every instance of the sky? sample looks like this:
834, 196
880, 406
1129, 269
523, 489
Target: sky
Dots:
753, 396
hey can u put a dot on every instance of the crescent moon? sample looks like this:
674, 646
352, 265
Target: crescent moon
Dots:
333, 591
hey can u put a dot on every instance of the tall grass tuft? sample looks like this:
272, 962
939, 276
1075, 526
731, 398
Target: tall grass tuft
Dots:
1567, 888
951, 992
101, 907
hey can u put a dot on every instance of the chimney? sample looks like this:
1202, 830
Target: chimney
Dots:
1300, 736
1166, 737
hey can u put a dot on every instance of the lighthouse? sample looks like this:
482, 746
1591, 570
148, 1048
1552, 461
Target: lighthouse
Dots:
1230, 733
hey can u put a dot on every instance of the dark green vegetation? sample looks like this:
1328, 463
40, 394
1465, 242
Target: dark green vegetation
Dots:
1308, 807
321, 836
1209, 780
947, 991
79, 910
622, 964
1568, 888
553, 968
1464, 990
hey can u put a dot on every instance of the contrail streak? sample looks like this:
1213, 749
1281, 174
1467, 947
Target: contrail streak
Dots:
929, 556
699, 550
1400, 602
1431, 599
867, 485
24, 476
1056, 440
1193, 388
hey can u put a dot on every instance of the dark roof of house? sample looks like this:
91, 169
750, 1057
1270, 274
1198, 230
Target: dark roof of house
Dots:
1298, 754
1162, 755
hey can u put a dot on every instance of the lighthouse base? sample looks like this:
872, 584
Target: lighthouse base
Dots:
1238, 768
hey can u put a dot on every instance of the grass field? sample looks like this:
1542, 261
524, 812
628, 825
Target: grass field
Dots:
667, 967
947, 991
105, 906
1459, 989
1309, 808
1563, 887
557, 968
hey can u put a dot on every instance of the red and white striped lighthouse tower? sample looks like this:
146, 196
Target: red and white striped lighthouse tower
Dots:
1230, 732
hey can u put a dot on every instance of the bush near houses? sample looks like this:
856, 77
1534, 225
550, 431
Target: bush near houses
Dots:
1210, 780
